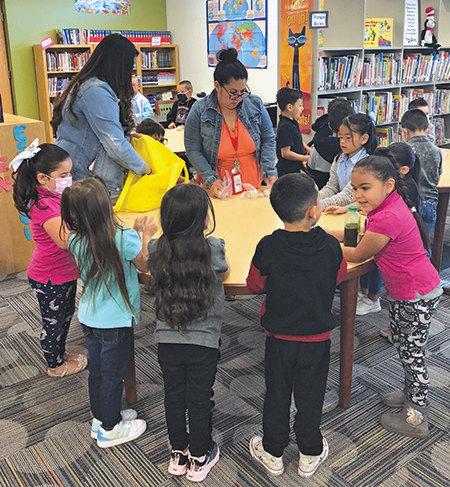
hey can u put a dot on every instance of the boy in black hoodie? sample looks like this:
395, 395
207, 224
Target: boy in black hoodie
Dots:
299, 268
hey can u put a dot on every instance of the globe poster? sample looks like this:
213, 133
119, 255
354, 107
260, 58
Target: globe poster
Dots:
241, 24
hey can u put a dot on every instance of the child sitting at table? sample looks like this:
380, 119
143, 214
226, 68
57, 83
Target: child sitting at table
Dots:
292, 152
152, 129
181, 106
415, 130
299, 268
142, 108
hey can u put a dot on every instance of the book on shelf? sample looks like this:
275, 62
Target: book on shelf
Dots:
137, 37
72, 36
156, 59
66, 61
338, 72
386, 136
439, 130
441, 101
378, 32
57, 85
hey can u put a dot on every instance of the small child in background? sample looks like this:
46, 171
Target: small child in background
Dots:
415, 131
299, 268
325, 143
357, 138
397, 239
142, 108
152, 129
107, 255
180, 109
292, 153
422, 104
188, 268
40, 175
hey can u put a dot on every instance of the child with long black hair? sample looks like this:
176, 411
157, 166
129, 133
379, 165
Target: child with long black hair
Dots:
107, 255
397, 239
188, 267
40, 175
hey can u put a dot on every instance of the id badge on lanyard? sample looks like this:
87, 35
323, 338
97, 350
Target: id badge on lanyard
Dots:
236, 179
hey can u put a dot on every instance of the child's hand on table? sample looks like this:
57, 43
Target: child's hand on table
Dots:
336, 210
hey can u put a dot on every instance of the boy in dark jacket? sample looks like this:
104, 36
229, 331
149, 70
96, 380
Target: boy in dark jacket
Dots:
299, 268
180, 109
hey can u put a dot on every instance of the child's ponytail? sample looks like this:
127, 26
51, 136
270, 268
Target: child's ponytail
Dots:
25, 178
384, 166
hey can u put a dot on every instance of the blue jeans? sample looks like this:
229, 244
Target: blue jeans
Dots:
427, 210
371, 281
109, 349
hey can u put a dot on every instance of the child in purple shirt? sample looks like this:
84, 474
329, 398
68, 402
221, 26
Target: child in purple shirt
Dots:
398, 245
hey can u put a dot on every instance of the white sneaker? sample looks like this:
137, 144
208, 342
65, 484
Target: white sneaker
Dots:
365, 305
273, 465
127, 415
308, 464
121, 433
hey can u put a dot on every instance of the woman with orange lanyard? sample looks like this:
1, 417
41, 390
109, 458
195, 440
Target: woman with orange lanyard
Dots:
230, 130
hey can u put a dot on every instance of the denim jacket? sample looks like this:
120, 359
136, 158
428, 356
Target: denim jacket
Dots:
203, 130
97, 136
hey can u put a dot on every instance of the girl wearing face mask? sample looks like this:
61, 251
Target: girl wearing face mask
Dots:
180, 109
40, 175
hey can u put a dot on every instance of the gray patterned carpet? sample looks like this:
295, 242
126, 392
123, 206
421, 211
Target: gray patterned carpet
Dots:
44, 422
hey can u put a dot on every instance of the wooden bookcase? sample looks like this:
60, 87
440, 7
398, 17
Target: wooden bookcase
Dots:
45, 76
345, 38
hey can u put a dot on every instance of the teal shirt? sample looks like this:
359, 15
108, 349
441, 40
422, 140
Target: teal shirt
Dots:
103, 310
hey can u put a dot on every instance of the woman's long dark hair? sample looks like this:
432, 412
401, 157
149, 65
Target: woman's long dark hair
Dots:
86, 209
384, 166
112, 61
25, 183
181, 265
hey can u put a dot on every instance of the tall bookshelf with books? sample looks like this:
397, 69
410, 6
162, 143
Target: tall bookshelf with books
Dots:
55, 66
383, 76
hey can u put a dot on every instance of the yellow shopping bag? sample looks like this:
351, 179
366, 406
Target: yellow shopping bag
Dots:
145, 193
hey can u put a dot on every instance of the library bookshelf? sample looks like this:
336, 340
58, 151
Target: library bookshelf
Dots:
55, 66
382, 81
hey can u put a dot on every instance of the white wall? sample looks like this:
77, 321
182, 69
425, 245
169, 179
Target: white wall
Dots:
186, 19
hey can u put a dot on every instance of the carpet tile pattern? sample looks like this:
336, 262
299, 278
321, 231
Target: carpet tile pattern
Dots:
45, 423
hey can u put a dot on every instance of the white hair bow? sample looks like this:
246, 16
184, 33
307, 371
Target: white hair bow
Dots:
28, 153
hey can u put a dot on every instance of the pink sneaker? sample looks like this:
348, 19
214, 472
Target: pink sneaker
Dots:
199, 469
179, 462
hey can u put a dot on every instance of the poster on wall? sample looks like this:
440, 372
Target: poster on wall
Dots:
241, 24
296, 53
118, 7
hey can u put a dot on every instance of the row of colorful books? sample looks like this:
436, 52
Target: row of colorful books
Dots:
158, 79
156, 59
72, 36
377, 69
66, 61
57, 85
94, 36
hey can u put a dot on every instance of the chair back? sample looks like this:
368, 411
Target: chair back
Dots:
163, 107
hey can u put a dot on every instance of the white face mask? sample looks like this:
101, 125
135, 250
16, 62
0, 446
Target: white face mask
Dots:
61, 184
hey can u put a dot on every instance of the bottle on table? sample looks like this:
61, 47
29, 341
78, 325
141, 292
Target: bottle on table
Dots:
351, 227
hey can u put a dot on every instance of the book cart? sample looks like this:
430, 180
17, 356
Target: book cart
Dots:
382, 81
55, 66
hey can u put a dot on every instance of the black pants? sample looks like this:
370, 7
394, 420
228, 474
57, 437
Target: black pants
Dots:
189, 372
301, 367
321, 178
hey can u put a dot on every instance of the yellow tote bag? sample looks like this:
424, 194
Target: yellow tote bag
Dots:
145, 193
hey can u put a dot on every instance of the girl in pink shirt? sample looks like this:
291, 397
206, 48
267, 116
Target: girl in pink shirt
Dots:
40, 175
397, 239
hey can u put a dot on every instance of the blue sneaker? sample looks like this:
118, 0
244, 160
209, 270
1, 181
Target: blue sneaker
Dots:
121, 433
127, 415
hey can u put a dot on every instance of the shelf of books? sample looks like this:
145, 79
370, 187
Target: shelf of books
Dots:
157, 66
55, 66
371, 68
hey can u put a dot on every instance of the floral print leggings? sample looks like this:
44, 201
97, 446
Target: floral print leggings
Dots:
57, 306
410, 324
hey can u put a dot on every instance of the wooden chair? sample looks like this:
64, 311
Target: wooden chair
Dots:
163, 107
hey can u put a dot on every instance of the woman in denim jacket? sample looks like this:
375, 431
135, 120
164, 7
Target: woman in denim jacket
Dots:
93, 116
230, 129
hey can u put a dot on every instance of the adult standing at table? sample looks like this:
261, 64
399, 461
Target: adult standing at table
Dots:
230, 129
93, 117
